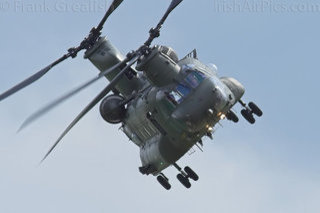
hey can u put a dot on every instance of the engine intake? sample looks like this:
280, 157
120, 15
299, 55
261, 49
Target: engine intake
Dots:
111, 109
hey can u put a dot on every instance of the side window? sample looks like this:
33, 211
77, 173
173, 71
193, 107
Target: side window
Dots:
183, 90
174, 97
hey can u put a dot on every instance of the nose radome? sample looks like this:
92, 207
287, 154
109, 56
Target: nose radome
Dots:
235, 87
218, 94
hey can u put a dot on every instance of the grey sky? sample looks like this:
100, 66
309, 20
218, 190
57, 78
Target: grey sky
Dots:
273, 166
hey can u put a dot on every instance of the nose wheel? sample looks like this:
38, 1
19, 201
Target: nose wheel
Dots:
247, 114
249, 111
255, 109
232, 116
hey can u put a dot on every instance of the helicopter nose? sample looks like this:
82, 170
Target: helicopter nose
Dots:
218, 96
209, 96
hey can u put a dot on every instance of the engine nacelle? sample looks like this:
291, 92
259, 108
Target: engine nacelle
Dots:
160, 66
111, 109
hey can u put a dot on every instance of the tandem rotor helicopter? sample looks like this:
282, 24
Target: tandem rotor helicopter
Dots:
165, 105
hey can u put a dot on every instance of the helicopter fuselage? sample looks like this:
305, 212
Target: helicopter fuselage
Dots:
166, 121
165, 105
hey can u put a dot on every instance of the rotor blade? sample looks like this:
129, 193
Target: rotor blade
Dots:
115, 4
85, 44
68, 95
98, 98
172, 6
32, 78
155, 32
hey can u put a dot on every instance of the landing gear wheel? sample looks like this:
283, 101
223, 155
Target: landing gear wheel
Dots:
191, 174
184, 181
248, 116
232, 116
255, 109
164, 182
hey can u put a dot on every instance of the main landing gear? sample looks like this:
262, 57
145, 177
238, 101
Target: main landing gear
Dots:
249, 111
164, 181
184, 177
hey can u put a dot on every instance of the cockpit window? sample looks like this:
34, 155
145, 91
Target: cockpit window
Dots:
183, 89
195, 78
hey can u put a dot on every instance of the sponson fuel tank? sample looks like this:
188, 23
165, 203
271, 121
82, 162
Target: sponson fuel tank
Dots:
112, 110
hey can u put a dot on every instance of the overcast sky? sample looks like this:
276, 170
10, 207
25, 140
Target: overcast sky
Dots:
272, 47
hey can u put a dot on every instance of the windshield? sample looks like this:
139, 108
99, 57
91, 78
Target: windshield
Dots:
194, 78
184, 88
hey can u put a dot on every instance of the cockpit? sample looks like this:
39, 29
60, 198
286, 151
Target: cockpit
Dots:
185, 87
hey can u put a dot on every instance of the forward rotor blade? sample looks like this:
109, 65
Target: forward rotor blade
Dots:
32, 78
172, 6
98, 98
115, 4
155, 32
68, 95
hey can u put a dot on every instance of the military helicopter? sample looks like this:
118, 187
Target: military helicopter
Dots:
165, 105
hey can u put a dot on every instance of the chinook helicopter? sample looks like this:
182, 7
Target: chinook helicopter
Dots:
165, 105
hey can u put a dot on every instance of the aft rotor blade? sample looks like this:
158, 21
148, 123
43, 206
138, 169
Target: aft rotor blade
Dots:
68, 95
97, 99
72, 52
32, 78
115, 4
